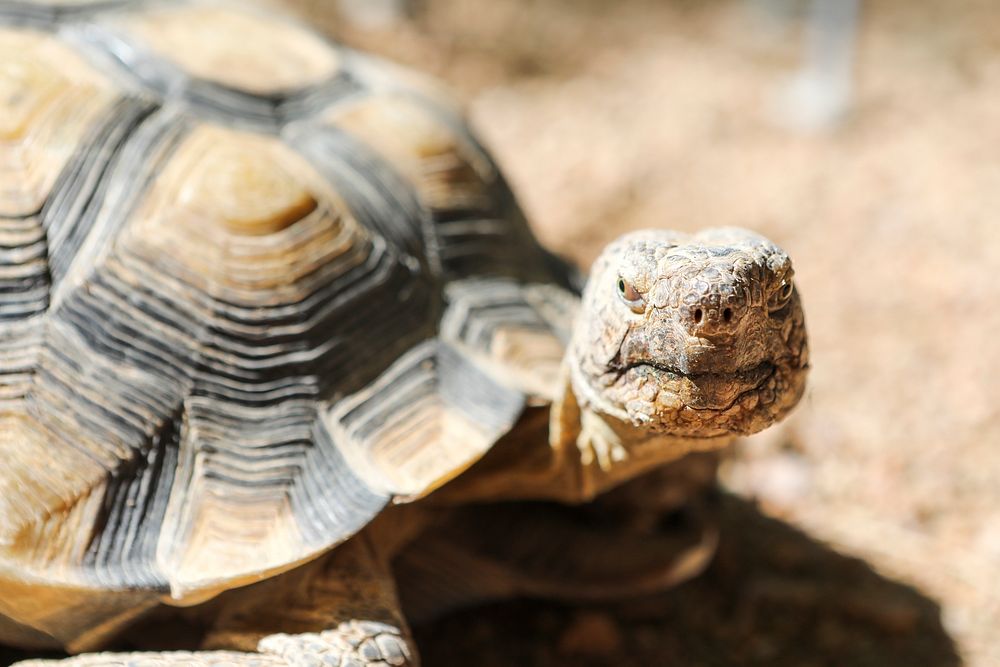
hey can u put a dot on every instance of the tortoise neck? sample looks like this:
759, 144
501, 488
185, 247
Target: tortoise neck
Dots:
593, 452
567, 453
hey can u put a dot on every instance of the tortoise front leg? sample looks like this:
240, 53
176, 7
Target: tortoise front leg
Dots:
340, 610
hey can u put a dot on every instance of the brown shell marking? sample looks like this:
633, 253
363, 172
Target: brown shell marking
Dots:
49, 99
239, 214
242, 180
445, 173
237, 49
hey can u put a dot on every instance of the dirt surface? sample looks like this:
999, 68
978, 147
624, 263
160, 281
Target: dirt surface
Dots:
609, 116
866, 529
773, 596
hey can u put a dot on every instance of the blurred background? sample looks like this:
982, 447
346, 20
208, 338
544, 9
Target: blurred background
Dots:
865, 139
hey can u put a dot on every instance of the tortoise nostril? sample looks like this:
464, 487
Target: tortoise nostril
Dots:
709, 319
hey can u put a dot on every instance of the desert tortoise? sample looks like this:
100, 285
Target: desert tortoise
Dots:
256, 288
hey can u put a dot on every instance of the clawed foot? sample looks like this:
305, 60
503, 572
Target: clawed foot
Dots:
351, 644
168, 659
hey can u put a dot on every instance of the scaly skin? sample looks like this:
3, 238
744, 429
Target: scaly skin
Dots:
693, 336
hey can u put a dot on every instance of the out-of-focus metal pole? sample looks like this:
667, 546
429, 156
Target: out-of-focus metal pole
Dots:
819, 95
373, 14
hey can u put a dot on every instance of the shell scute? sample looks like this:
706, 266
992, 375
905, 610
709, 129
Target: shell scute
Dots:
251, 292
50, 98
233, 47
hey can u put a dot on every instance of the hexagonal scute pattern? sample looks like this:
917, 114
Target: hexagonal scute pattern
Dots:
251, 290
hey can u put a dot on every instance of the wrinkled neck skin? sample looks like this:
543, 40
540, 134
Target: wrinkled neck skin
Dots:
593, 452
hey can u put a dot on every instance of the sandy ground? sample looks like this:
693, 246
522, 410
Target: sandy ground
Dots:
866, 529
609, 116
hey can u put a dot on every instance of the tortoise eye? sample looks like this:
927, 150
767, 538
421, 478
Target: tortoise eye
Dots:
782, 296
630, 295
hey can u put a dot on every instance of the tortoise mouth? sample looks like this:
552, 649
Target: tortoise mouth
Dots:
762, 369
702, 391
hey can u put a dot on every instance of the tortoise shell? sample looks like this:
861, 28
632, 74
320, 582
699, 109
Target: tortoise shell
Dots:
254, 287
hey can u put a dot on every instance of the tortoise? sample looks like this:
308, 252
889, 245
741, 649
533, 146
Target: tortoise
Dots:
263, 298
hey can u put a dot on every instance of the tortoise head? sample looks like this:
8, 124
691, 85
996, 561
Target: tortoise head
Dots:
695, 336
